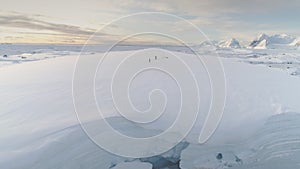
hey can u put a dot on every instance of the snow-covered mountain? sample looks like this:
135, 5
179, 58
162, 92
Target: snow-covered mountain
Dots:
231, 43
265, 41
262, 44
296, 42
208, 44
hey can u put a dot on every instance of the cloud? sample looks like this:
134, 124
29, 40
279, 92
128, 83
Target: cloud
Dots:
218, 18
223, 18
31, 28
211, 7
26, 22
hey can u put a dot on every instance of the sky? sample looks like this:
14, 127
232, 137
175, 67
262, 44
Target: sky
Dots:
75, 21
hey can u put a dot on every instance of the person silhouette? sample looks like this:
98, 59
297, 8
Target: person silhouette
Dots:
219, 156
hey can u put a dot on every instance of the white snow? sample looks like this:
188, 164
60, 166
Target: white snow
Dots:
39, 128
275, 145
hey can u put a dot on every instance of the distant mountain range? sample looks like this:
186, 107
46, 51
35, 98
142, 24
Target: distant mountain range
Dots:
274, 41
263, 41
